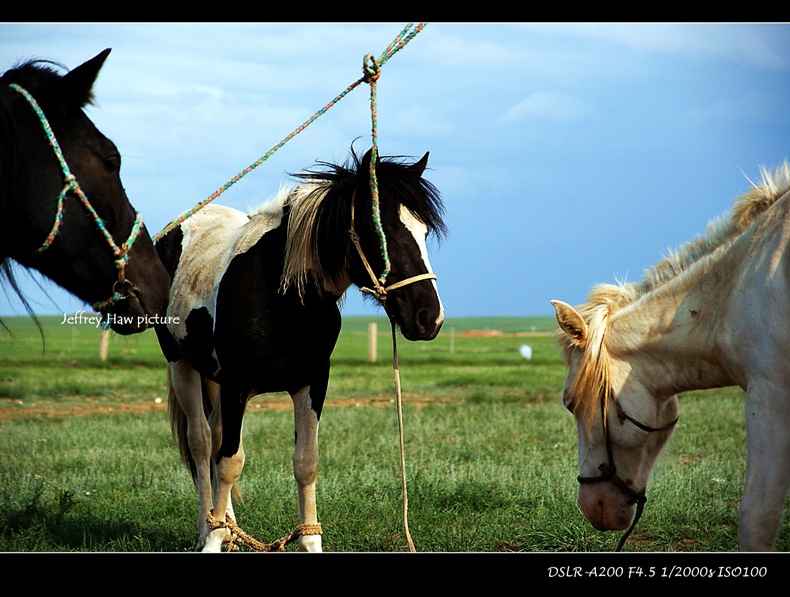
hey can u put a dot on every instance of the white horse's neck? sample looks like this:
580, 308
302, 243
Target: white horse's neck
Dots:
676, 328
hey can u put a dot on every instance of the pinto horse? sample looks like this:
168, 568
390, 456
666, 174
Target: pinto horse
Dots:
63, 208
254, 309
713, 314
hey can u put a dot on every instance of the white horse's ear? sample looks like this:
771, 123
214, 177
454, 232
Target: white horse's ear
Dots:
571, 323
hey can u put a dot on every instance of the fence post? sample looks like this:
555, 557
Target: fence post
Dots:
372, 332
104, 344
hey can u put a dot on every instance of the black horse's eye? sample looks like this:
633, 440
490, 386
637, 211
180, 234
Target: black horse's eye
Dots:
113, 163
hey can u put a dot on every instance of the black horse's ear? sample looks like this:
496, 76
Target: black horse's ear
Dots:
76, 86
420, 166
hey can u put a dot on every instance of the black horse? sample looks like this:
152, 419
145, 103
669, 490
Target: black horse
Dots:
254, 309
63, 208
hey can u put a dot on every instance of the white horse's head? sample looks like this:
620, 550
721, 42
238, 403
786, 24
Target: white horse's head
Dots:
621, 425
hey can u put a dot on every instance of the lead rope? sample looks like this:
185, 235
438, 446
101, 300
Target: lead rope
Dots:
405, 36
399, 405
380, 292
372, 69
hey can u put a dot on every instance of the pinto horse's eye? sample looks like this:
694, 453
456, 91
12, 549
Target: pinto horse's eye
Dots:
567, 401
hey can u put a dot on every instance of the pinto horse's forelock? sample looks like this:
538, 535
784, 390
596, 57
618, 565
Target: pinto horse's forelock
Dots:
320, 214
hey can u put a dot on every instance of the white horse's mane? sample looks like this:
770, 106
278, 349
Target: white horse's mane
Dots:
720, 231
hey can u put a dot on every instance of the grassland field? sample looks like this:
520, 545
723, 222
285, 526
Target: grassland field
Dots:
87, 462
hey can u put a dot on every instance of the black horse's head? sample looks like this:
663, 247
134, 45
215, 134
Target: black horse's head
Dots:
63, 208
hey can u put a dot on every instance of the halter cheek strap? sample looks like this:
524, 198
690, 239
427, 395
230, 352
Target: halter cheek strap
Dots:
609, 470
379, 290
122, 288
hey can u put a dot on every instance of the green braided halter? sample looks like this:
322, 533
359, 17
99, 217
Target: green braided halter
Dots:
121, 253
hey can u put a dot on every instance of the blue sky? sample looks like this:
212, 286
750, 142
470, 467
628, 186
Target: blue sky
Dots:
567, 154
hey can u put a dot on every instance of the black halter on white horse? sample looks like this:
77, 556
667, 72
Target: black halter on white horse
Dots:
254, 309
609, 469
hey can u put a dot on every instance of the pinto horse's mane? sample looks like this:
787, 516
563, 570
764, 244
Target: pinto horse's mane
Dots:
319, 210
592, 381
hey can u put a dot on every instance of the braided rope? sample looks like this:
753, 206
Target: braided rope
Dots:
372, 70
396, 45
236, 533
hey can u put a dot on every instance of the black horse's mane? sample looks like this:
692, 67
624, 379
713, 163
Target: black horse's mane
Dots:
34, 74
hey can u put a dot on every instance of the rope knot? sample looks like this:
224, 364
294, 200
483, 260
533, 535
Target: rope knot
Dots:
370, 68
378, 291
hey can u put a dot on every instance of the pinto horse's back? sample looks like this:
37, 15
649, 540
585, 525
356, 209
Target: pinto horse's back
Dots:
197, 251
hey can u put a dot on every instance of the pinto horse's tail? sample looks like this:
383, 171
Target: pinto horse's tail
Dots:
178, 422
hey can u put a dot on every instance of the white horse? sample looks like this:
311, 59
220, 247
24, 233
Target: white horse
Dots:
714, 314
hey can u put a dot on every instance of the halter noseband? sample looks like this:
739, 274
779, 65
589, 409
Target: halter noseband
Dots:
122, 288
609, 470
379, 290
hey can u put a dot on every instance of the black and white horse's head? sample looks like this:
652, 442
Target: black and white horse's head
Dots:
381, 249
69, 217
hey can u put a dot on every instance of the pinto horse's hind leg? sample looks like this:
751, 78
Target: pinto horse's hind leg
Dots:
305, 461
187, 388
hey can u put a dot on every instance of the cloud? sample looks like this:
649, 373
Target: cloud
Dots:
760, 45
549, 106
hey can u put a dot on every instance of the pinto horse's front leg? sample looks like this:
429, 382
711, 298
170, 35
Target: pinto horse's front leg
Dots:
305, 462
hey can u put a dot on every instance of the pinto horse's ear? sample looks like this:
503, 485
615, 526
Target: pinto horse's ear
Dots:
76, 85
571, 323
365, 162
420, 166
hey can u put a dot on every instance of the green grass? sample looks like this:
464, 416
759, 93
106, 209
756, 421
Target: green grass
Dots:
88, 463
